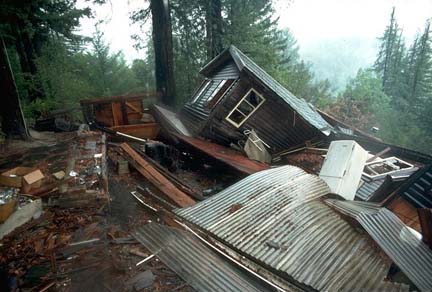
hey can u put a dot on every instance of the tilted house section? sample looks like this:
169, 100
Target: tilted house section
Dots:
237, 96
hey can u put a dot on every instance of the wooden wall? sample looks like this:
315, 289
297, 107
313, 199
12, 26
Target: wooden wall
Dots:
275, 121
119, 113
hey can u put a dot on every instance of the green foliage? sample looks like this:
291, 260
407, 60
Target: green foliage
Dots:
362, 101
144, 72
389, 60
70, 75
108, 73
366, 87
247, 24
40, 108
396, 94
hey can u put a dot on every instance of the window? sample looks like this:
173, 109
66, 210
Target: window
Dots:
220, 91
245, 108
201, 90
218, 85
210, 92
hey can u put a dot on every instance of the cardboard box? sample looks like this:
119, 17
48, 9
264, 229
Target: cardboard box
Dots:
6, 210
26, 178
32, 180
13, 177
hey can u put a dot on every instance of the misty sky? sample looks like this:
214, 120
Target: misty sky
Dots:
325, 29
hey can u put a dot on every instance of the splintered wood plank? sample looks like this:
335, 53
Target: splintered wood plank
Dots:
156, 178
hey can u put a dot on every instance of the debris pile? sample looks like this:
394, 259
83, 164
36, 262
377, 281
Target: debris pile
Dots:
247, 183
56, 191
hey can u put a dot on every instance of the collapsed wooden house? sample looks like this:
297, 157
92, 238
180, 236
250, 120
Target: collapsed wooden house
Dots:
237, 96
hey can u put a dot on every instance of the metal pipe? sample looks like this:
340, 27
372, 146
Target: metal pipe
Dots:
133, 193
144, 260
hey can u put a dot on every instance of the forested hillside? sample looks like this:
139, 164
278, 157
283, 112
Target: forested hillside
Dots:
54, 67
395, 94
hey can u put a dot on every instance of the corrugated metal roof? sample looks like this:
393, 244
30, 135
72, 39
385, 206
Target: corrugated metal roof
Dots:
411, 255
298, 104
368, 188
275, 217
419, 189
199, 266
227, 71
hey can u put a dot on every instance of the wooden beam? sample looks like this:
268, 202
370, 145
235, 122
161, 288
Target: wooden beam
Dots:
156, 178
117, 114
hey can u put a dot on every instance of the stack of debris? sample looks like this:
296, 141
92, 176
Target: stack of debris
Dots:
47, 195
286, 229
259, 202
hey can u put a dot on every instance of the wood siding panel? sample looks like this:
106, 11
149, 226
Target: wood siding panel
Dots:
196, 114
275, 122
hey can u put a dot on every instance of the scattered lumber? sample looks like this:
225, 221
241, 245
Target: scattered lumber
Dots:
155, 177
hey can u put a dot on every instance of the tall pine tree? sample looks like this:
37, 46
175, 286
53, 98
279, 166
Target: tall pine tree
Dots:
389, 65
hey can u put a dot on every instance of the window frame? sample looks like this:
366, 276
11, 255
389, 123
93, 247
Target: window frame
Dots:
246, 117
216, 90
204, 85
216, 98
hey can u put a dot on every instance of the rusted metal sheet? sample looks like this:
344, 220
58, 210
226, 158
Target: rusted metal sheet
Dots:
198, 265
276, 218
408, 252
223, 154
405, 211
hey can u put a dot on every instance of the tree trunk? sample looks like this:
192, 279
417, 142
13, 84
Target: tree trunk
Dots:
27, 57
163, 48
12, 118
214, 28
